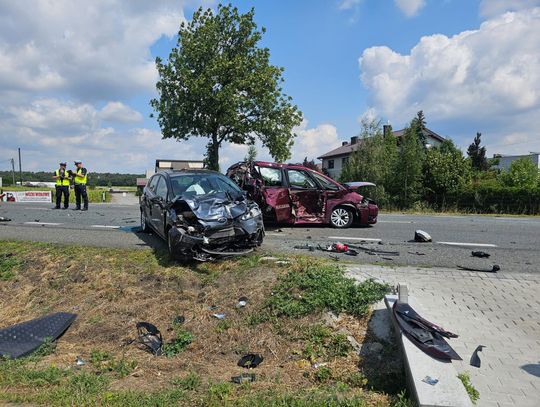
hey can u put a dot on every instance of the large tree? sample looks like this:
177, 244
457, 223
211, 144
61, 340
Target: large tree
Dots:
218, 83
419, 124
523, 173
477, 154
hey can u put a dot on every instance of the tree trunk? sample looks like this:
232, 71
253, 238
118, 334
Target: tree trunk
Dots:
212, 154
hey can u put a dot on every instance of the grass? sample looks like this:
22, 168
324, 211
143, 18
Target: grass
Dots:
314, 286
8, 266
471, 390
112, 289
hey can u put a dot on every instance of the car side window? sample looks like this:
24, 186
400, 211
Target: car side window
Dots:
271, 176
326, 184
152, 184
161, 188
300, 179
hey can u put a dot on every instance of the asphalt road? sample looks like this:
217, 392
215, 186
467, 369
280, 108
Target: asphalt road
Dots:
513, 242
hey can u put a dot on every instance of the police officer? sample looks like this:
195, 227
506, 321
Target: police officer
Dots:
80, 176
62, 186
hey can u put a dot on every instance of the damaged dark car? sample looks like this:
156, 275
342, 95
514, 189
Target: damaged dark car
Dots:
201, 214
294, 194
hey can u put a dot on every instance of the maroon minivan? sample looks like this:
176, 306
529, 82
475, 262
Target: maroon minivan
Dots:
294, 194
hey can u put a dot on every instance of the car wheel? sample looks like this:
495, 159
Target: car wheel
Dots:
144, 222
170, 248
341, 217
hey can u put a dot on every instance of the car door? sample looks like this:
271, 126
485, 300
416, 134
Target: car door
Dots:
158, 206
274, 194
307, 201
147, 198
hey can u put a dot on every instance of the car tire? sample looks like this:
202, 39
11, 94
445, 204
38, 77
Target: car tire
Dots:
170, 250
341, 217
144, 222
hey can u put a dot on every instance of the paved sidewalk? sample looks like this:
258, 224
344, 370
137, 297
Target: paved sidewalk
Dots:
499, 311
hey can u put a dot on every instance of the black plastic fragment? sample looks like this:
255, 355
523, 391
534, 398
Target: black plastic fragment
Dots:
482, 255
150, 338
179, 320
251, 360
3, 219
493, 269
475, 359
24, 338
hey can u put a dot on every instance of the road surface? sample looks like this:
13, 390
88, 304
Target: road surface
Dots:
513, 242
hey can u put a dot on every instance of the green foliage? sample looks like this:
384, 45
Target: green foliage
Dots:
251, 153
445, 170
190, 382
407, 185
218, 83
97, 356
105, 362
471, 390
419, 126
223, 325
47, 348
477, 154
523, 173
17, 372
182, 338
9, 263
313, 287
323, 374
403, 401
94, 178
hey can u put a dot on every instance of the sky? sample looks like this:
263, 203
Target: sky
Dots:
76, 78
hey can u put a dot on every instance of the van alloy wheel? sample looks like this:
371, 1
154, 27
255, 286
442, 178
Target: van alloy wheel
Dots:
341, 218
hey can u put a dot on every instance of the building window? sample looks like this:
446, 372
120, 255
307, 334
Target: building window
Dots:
344, 161
330, 164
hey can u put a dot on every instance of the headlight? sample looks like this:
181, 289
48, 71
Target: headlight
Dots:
253, 213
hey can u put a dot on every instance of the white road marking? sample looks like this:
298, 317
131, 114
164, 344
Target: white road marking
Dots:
468, 244
105, 226
273, 234
43, 223
365, 239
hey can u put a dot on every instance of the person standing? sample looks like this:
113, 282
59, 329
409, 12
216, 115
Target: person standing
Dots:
62, 186
80, 177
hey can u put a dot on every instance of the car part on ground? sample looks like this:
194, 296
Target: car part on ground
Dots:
493, 269
482, 255
421, 236
475, 359
244, 378
251, 360
3, 219
427, 336
201, 215
150, 338
293, 194
24, 338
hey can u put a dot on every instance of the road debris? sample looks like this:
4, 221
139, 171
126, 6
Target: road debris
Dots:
309, 247
251, 360
493, 269
179, 320
417, 253
427, 336
150, 338
80, 361
3, 219
244, 378
24, 338
475, 359
430, 380
242, 302
482, 255
219, 316
375, 251
421, 236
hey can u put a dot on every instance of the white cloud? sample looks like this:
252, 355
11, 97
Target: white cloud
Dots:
119, 112
410, 7
480, 80
96, 50
348, 4
492, 8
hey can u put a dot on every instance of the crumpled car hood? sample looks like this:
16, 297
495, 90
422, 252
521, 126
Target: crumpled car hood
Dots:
215, 206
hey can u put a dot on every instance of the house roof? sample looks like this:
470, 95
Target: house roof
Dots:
349, 148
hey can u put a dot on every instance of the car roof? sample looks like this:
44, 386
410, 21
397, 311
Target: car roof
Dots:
281, 165
171, 173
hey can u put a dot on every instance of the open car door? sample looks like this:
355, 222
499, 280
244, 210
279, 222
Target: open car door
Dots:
307, 201
274, 194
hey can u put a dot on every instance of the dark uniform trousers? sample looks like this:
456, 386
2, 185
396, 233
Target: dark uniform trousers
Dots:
80, 191
62, 190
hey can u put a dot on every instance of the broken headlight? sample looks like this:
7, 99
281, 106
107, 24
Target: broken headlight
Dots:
252, 213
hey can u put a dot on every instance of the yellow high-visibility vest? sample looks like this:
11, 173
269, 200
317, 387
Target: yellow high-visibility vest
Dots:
62, 182
79, 180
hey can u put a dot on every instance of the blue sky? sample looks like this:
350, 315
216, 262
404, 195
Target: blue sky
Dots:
69, 91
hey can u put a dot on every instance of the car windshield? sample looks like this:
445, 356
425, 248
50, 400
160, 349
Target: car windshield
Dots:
192, 185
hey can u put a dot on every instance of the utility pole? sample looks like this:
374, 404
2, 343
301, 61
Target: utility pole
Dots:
20, 168
13, 170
